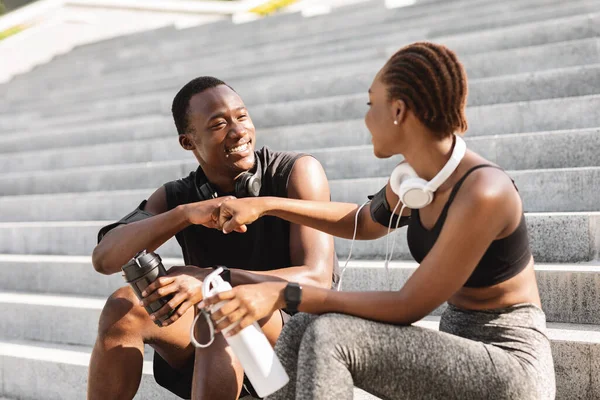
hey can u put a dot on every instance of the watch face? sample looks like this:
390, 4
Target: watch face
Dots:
293, 293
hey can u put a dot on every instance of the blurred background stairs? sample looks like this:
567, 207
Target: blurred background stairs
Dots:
86, 137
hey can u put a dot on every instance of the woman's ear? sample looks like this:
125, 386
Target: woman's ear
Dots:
399, 109
186, 142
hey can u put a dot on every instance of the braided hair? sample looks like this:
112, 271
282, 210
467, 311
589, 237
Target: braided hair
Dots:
432, 82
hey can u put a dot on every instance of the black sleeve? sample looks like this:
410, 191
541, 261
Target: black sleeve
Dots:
136, 215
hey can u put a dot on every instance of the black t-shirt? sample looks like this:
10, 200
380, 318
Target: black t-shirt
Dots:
266, 244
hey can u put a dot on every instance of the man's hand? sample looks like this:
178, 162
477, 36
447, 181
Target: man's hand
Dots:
245, 305
234, 215
200, 213
184, 283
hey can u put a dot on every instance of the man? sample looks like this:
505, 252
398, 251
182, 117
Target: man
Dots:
212, 123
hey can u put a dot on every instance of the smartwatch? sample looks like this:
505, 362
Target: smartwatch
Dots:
292, 295
226, 274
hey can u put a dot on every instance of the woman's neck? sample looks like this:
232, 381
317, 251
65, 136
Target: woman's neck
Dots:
427, 154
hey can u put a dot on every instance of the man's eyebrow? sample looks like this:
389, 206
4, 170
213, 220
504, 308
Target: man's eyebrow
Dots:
221, 114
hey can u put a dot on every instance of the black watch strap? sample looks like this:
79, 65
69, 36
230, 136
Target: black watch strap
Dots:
292, 295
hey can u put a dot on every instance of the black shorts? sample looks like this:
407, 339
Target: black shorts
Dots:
179, 381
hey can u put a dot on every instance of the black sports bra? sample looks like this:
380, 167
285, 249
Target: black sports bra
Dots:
504, 259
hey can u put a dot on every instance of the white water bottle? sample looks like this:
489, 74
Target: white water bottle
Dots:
250, 345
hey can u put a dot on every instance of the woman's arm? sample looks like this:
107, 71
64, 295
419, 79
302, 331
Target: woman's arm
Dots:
334, 218
477, 217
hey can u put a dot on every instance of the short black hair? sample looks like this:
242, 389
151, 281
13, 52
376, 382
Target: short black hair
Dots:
181, 102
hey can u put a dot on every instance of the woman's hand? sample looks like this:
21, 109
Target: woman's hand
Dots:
235, 214
245, 304
200, 213
184, 283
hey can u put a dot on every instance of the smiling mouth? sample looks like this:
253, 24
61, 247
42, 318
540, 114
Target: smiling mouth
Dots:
238, 149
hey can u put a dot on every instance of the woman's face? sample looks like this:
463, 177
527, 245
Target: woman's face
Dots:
380, 120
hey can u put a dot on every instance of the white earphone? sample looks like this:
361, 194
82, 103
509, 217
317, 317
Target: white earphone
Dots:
415, 192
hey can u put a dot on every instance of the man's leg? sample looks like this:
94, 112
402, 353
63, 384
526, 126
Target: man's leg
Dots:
116, 364
219, 361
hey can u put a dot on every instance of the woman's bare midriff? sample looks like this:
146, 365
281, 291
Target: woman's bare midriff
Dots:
520, 289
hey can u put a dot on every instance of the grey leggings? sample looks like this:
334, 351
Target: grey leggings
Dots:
492, 354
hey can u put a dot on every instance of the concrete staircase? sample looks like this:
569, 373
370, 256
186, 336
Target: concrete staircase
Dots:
84, 138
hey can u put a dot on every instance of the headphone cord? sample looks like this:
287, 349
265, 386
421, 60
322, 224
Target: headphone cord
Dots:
387, 260
339, 286
391, 254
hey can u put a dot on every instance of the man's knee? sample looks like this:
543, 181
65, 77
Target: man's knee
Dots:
121, 315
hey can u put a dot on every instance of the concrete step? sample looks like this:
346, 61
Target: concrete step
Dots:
569, 189
106, 205
570, 292
477, 17
555, 238
485, 119
542, 190
30, 369
137, 128
339, 108
59, 371
560, 149
537, 33
286, 120
566, 189
172, 51
564, 82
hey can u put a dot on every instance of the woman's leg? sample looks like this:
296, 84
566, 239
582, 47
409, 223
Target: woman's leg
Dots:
338, 352
287, 348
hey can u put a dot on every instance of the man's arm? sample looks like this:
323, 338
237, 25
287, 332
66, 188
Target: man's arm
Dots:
121, 243
311, 251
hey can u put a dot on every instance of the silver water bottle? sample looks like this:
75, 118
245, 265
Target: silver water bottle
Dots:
143, 269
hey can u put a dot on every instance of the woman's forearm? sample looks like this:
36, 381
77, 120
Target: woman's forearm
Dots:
377, 306
336, 219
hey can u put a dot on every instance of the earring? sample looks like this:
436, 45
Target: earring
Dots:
395, 122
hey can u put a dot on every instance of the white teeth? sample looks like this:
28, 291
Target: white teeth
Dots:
239, 148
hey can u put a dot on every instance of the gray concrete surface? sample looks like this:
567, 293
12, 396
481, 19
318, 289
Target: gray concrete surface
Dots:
96, 122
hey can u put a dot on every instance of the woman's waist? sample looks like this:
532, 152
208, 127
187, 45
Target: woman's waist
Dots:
518, 323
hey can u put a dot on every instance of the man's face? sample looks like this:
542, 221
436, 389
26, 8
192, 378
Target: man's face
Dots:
222, 131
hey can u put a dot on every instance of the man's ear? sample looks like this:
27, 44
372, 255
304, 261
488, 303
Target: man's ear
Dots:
186, 142
399, 109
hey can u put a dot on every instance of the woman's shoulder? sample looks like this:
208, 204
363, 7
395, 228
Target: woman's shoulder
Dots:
489, 190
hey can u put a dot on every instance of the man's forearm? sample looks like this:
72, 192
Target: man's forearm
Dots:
302, 274
119, 245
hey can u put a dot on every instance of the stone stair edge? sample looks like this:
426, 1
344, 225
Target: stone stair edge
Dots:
520, 24
160, 93
485, 80
585, 15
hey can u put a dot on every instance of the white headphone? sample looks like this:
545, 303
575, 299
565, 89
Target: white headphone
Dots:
415, 192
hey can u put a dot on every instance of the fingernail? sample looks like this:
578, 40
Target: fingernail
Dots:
201, 304
144, 294
152, 317
141, 303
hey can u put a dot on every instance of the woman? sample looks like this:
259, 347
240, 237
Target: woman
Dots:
472, 245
